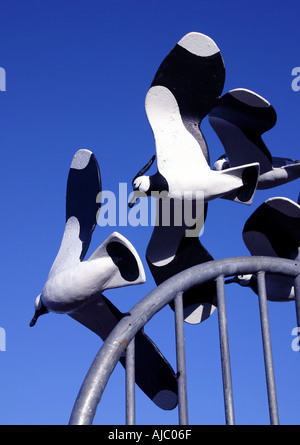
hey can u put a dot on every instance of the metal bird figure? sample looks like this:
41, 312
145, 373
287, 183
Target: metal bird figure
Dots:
75, 287
185, 89
240, 118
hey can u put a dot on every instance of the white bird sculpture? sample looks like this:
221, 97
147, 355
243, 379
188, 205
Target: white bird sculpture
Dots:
75, 287
186, 87
273, 230
115, 263
239, 119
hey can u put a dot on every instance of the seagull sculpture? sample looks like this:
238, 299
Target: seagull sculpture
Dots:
171, 250
273, 230
75, 287
240, 118
184, 90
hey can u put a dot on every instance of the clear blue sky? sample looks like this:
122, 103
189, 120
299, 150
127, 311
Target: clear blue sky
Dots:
77, 75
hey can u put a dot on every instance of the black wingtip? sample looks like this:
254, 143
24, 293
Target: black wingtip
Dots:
145, 168
250, 178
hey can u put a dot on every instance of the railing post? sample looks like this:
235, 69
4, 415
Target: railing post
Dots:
225, 355
130, 383
180, 357
267, 347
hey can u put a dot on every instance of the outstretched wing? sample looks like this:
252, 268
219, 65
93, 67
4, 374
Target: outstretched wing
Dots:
82, 205
170, 251
239, 119
154, 375
185, 88
274, 229
128, 268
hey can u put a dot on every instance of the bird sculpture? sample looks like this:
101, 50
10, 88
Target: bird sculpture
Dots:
185, 88
75, 287
273, 230
240, 118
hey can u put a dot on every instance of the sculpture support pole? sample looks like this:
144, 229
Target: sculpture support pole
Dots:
225, 355
267, 348
130, 383
180, 356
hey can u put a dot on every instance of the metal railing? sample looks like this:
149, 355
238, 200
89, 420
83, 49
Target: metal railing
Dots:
121, 339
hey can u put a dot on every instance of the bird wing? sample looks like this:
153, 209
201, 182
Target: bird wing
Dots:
274, 229
82, 205
129, 269
170, 251
239, 119
185, 88
154, 375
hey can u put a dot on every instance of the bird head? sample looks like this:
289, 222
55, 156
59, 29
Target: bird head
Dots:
40, 309
242, 280
141, 183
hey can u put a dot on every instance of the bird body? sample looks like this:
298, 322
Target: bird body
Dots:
184, 90
67, 289
74, 286
115, 263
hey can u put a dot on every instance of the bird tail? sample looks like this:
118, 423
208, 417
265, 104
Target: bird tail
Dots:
249, 175
125, 267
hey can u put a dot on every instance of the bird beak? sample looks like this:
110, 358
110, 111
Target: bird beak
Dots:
231, 280
132, 201
37, 314
136, 195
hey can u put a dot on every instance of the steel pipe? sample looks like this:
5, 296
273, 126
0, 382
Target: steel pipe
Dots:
181, 365
225, 355
267, 347
130, 383
108, 356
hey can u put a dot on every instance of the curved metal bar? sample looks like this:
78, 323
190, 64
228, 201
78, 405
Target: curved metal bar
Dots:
108, 356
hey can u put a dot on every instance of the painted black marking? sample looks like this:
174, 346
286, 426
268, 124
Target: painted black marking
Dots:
253, 121
249, 178
196, 82
83, 187
144, 169
158, 183
124, 260
189, 253
282, 231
